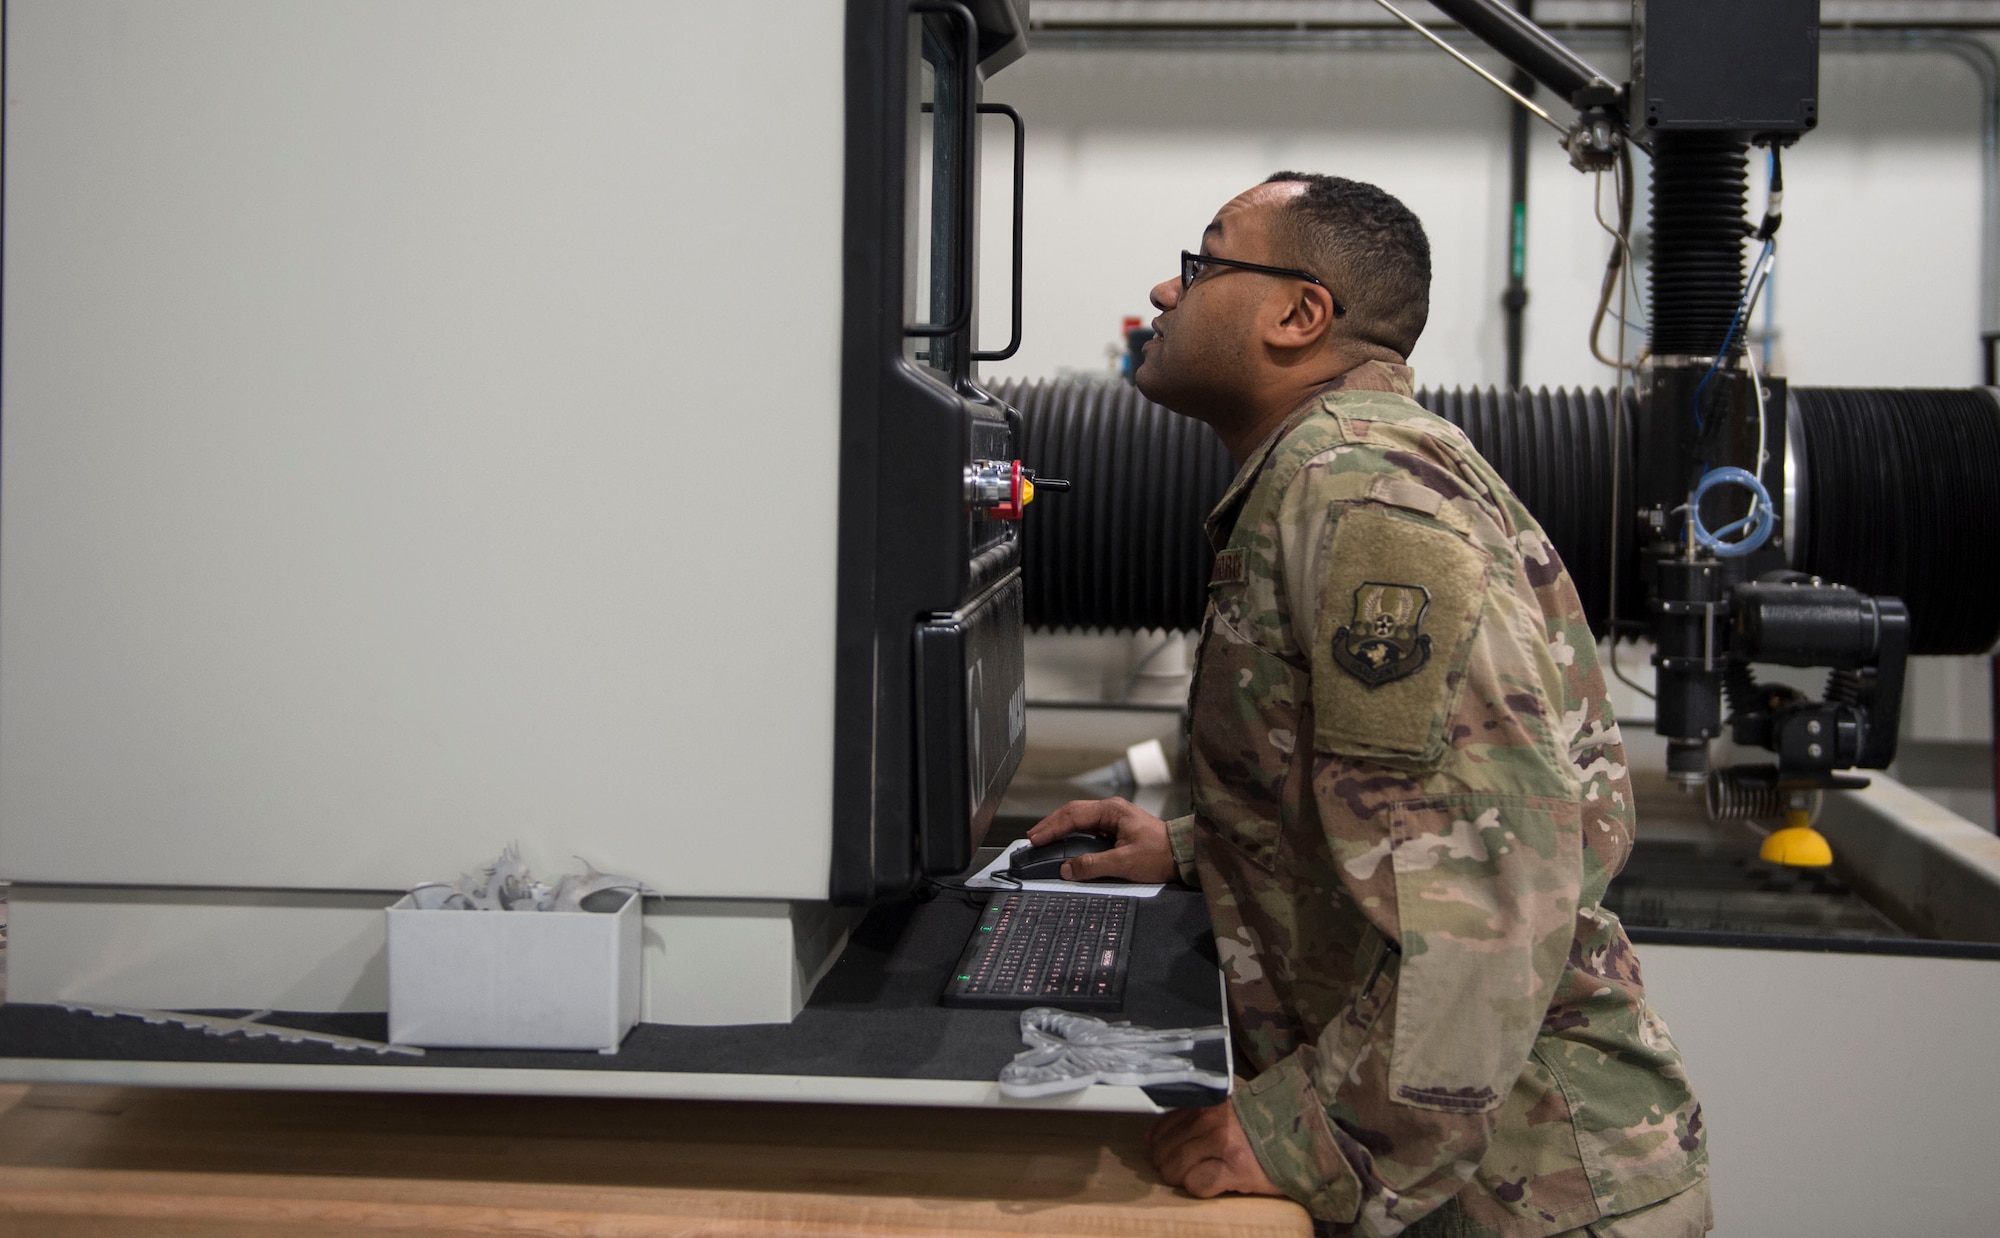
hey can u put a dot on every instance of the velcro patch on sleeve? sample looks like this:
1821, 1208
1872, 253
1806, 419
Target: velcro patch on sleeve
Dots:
1399, 608
1400, 492
1228, 567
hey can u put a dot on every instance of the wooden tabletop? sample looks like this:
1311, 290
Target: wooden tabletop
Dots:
163, 1163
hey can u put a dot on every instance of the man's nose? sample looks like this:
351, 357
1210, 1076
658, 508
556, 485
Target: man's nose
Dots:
1166, 294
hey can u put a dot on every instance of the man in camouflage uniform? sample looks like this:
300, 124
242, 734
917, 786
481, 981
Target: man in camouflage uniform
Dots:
1409, 789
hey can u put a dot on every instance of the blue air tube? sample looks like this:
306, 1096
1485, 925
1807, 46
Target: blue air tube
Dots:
1759, 522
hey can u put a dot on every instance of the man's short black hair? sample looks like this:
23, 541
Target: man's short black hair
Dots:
1368, 247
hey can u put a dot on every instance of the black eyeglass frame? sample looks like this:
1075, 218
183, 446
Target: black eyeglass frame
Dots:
1189, 261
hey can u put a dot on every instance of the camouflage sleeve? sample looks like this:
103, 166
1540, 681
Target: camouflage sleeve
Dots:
1450, 818
1180, 837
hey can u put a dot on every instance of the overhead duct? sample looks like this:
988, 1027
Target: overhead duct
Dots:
1555, 450
1899, 496
1124, 549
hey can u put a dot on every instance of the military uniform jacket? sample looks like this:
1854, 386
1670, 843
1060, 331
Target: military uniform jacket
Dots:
1409, 793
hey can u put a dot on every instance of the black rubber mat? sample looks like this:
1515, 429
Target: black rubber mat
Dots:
874, 1015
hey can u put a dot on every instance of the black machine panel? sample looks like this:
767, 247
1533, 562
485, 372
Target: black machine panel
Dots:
1749, 66
928, 632
972, 710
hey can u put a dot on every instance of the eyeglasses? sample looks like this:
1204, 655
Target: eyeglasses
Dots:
1192, 266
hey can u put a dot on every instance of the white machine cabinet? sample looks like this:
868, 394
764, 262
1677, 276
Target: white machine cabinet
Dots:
432, 425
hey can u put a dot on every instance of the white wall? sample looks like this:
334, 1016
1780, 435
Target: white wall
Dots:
1949, 699
1130, 152
1845, 1094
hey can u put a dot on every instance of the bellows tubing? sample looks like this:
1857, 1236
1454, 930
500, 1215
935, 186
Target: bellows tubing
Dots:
1899, 494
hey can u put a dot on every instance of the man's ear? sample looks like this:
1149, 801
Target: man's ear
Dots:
1303, 320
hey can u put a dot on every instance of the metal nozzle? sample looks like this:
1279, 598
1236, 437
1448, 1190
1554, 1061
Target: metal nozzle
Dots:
1687, 764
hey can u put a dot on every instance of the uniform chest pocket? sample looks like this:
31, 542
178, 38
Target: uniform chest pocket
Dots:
1398, 615
1243, 740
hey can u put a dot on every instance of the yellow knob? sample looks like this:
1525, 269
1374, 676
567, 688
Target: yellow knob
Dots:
1798, 845
1027, 492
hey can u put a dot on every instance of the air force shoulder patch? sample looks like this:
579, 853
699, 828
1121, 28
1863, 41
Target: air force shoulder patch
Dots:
1388, 659
1385, 640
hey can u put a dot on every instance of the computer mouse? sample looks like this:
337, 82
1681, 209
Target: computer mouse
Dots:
1044, 863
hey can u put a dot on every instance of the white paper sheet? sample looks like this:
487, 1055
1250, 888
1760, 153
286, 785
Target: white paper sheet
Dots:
983, 880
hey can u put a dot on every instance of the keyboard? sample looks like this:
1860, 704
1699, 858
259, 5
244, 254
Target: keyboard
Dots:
1033, 948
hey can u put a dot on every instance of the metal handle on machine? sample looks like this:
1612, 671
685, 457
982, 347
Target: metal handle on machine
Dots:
968, 140
1020, 181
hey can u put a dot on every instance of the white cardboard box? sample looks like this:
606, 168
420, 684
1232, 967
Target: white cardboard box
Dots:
513, 979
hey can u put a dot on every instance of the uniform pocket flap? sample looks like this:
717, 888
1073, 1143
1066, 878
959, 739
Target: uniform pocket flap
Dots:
1486, 905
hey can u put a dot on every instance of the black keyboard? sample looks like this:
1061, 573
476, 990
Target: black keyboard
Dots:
1032, 948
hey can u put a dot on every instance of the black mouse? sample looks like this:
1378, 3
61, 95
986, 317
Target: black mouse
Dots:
1045, 863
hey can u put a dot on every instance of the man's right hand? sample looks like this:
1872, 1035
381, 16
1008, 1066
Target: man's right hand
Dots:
1142, 853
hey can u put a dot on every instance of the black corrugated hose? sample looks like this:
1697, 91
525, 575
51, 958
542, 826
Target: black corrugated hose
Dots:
1902, 493
1902, 499
1125, 550
1554, 450
1699, 183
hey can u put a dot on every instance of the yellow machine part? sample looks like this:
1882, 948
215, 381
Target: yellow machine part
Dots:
1798, 845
